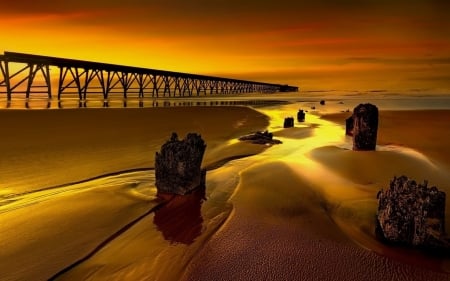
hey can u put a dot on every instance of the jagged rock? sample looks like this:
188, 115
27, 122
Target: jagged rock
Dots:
288, 122
260, 138
365, 127
411, 214
349, 126
178, 165
301, 116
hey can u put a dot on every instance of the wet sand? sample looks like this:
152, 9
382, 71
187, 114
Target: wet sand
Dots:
52, 213
42, 148
292, 222
302, 210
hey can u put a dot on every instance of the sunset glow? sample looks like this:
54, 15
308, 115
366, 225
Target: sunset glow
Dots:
351, 46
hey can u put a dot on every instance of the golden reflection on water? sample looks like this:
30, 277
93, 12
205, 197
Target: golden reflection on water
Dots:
316, 150
294, 151
349, 180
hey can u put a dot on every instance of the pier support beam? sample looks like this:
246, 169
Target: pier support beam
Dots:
85, 77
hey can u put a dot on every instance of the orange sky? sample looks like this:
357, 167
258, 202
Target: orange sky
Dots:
343, 45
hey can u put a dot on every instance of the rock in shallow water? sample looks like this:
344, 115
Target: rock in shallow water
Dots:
288, 122
301, 116
411, 214
260, 138
349, 126
178, 165
365, 127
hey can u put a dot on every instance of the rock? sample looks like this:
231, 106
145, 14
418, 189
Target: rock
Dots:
288, 122
322, 102
301, 116
411, 214
260, 138
365, 127
349, 126
178, 165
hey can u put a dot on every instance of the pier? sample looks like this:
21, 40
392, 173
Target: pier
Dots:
27, 75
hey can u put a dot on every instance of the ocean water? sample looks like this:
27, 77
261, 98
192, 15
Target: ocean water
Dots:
102, 206
336, 101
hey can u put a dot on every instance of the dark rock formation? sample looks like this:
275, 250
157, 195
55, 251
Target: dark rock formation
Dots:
349, 126
301, 116
411, 214
178, 165
260, 138
322, 102
288, 122
365, 127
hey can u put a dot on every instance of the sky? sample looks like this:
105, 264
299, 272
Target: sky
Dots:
316, 45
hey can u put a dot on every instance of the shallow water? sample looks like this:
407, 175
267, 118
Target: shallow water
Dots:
348, 181
306, 150
335, 101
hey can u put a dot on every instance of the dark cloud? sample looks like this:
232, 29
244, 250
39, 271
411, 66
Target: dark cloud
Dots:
181, 17
404, 61
224, 8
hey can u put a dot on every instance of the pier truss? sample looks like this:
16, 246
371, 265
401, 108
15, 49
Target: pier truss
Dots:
26, 75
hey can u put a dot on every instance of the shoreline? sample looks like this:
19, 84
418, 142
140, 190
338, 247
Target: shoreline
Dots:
270, 214
79, 144
375, 261
418, 130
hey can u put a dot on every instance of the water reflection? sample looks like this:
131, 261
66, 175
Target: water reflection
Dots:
180, 220
29, 105
45, 103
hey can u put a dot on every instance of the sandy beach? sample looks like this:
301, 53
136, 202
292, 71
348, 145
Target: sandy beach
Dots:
77, 196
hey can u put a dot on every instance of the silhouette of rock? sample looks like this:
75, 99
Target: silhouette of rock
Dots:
365, 127
180, 219
301, 116
349, 126
288, 122
411, 214
178, 165
260, 138
322, 102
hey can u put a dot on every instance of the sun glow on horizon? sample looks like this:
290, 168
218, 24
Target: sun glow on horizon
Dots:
389, 49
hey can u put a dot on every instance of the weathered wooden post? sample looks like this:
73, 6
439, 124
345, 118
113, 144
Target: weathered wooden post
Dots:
411, 214
178, 165
349, 126
288, 122
301, 116
365, 127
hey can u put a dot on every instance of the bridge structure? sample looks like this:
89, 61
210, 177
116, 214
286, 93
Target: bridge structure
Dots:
32, 75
